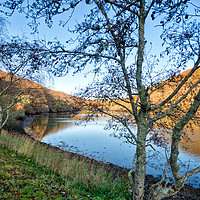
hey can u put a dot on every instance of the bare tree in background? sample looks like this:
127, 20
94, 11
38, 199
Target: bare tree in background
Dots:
16, 64
111, 38
7, 102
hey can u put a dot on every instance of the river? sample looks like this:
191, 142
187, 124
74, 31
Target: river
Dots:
94, 141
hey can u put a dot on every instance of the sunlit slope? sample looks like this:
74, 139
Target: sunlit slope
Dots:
170, 85
162, 90
35, 98
159, 93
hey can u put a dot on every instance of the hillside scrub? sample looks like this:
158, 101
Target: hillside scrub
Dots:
34, 98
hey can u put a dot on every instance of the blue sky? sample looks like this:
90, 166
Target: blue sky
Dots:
18, 26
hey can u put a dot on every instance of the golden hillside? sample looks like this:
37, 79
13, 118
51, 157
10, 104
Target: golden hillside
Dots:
161, 91
170, 85
35, 98
168, 88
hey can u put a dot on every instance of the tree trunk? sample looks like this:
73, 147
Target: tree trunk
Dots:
140, 170
176, 136
1, 119
157, 191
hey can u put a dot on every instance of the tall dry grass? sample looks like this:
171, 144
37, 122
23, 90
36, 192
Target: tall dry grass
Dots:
73, 168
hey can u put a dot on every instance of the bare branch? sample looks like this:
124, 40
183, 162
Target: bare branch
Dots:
160, 116
178, 87
124, 8
117, 103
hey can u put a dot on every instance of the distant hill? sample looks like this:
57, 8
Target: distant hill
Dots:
38, 99
35, 98
168, 86
161, 91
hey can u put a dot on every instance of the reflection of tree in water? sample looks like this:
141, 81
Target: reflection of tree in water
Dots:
190, 142
42, 125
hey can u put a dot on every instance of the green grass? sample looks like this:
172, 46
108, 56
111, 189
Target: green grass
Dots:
30, 170
21, 178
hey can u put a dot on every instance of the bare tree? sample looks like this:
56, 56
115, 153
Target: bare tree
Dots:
17, 64
111, 37
9, 96
6, 81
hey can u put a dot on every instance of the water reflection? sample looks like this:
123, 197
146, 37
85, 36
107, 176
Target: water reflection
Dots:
40, 126
92, 140
190, 143
43, 125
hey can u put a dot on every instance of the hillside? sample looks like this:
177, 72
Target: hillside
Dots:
165, 88
170, 85
35, 98
162, 90
38, 99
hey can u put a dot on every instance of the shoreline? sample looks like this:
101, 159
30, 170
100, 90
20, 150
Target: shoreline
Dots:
114, 169
28, 120
187, 192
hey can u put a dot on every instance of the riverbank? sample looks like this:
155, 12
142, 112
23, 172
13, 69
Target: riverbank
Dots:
87, 174
80, 177
22, 178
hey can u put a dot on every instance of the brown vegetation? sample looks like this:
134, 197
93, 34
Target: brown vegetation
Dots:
161, 91
35, 98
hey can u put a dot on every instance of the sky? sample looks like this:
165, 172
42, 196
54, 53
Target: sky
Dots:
18, 26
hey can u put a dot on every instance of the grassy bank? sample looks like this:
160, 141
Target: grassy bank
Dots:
30, 169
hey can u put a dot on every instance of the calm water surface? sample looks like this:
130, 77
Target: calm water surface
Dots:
94, 141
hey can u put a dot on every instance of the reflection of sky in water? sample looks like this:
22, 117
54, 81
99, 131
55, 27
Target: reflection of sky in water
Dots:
94, 141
